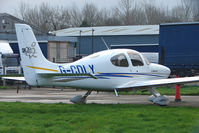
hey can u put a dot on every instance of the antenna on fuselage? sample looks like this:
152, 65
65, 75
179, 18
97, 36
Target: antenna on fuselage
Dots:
104, 42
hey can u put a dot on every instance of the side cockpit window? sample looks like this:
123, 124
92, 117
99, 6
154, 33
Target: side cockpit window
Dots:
120, 60
136, 60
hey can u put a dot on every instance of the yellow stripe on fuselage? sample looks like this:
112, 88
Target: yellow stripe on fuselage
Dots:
40, 68
126, 74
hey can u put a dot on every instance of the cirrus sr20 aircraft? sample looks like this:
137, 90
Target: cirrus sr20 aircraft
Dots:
108, 70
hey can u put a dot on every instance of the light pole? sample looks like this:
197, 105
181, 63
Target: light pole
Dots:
80, 32
92, 41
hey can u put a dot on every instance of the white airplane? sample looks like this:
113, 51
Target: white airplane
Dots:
108, 70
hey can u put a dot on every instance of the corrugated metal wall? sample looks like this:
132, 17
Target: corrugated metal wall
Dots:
150, 48
179, 48
181, 45
43, 46
86, 42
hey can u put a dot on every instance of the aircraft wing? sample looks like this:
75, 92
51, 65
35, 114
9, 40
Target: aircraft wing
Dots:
14, 78
159, 82
57, 77
60, 77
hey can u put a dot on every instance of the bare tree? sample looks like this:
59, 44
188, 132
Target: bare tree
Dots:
183, 11
90, 13
126, 7
154, 15
76, 16
114, 18
137, 15
102, 16
35, 16
124, 11
195, 4
45, 17
128, 12
22, 10
59, 18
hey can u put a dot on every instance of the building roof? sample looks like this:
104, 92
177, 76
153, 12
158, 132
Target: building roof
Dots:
110, 30
180, 23
7, 22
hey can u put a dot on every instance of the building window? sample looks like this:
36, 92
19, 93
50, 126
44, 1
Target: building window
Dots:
4, 26
3, 21
120, 60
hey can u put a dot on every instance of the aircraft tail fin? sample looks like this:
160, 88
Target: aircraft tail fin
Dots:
32, 58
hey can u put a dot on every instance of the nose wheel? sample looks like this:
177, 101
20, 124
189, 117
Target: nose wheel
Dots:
79, 99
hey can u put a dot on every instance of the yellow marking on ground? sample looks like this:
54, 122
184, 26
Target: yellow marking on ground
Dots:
40, 68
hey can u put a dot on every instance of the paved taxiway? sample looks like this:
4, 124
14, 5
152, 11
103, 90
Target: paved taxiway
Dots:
52, 95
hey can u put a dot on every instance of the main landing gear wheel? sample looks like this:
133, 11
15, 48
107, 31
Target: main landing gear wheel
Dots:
79, 99
157, 98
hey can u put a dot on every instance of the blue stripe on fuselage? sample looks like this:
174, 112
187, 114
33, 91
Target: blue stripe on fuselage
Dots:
108, 75
127, 74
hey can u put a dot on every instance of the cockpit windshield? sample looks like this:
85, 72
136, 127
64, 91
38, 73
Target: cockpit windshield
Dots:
136, 60
146, 60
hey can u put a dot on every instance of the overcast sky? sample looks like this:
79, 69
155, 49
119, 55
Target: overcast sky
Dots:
11, 6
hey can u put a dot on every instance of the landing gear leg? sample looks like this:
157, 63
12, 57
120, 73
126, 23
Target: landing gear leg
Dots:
79, 99
157, 98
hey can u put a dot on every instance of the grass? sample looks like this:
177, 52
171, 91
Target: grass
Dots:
4, 87
8, 87
93, 118
185, 90
12, 75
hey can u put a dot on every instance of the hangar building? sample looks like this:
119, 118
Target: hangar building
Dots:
57, 49
143, 38
179, 48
